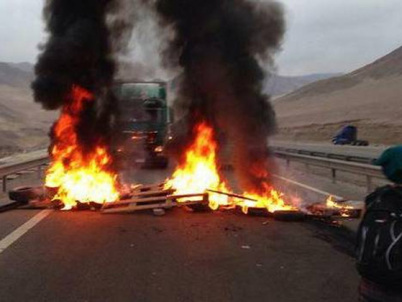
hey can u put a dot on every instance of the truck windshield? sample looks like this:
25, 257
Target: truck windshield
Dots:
142, 90
143, 103
140, 112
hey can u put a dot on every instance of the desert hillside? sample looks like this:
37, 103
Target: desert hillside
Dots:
279, 85
370, 98
23, 124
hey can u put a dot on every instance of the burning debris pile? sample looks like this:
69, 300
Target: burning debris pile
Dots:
196, 184
199, 173
220, 45
78, 174
339, 208
75, 74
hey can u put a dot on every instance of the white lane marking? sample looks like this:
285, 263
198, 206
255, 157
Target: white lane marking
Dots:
308, 187
18, 233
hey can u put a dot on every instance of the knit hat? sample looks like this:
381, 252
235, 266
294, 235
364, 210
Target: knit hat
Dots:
391, 163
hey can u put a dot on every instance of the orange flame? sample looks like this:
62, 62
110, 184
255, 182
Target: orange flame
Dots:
79, 177
199, 173
333, 204
271, 199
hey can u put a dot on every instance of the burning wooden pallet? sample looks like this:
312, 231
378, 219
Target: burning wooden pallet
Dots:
232, 195
156, 196
139, 203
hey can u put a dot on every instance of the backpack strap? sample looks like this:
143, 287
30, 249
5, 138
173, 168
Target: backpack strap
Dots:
395, 239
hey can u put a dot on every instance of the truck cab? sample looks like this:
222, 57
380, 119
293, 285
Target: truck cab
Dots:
143, 123
348, 136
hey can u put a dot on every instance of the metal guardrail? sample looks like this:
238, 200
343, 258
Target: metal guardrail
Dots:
350, 158
15, 168
367, 170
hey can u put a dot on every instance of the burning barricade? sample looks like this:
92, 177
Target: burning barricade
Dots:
76, 175
73, 179
197, 183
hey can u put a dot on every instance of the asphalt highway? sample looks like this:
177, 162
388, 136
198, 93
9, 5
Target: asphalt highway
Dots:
182, 256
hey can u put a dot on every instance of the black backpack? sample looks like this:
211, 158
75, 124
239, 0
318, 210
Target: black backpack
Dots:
379, 241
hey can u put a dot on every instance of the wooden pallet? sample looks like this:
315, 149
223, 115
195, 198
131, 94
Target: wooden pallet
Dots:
146, 188
152, 193
155, 202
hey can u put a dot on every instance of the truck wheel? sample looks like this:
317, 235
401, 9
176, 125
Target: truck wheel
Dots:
156, 163
163, 163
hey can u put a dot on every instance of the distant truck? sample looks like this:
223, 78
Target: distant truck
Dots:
143, 123
348, 136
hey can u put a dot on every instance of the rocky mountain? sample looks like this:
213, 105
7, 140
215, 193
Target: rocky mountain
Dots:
23, 124
279, 85
369, 97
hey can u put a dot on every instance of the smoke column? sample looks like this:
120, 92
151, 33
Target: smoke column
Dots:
221, 45
83, 39
78, 51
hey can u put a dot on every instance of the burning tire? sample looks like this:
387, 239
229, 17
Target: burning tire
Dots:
289, 216
25, 194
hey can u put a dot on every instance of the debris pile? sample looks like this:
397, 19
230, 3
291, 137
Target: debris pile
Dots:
157, 198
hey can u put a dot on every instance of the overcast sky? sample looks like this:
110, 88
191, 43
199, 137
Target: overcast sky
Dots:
323, 35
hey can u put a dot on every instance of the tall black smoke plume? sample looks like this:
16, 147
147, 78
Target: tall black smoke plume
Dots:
221, 44
83, 35
78, 51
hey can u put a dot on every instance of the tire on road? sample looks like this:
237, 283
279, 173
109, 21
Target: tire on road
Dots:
24, 195
289, 216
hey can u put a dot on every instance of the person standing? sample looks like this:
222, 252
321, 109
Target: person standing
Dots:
379, 240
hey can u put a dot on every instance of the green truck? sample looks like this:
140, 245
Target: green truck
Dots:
143, 123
